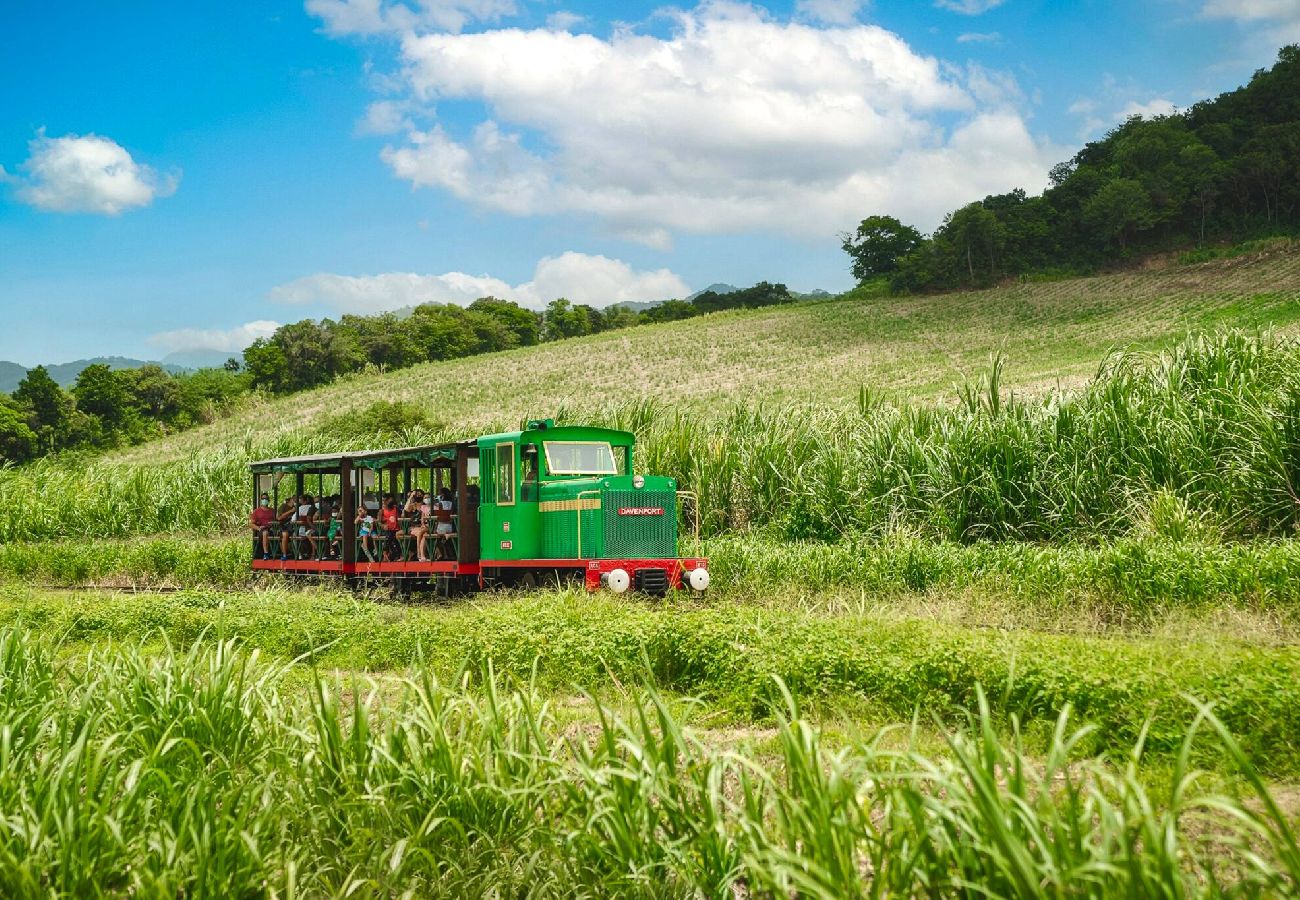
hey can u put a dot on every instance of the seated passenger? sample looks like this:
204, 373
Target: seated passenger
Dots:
365, 523
335, 534
260, 520
417, 508
302, 525
388, 520
442, 509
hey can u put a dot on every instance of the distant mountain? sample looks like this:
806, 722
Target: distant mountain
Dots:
10, 374
200, 359
717, 288
814, 294
64, 374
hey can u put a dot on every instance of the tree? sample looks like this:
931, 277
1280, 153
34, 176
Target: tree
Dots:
101, 392
526, 324
562, 319
232, 365
670, 311
878, 244
266, 364
1118, 211
156, 391
18, 443
47, 406
975, 234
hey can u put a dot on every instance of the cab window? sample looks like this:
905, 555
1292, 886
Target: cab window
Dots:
579, 458
505, 474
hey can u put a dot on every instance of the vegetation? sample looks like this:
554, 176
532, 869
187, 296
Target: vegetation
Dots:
1224, 170
195, 773
1203, 439
110, 408
1130, 586
727, 655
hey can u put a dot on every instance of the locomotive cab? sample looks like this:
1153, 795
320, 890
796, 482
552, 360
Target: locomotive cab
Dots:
569, 495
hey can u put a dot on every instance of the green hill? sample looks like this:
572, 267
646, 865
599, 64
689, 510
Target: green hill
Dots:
809, 354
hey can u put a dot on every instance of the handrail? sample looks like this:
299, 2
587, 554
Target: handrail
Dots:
696, 497
578, 513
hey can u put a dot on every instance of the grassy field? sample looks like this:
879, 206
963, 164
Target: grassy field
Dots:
1036, 527
207, 772
815, 353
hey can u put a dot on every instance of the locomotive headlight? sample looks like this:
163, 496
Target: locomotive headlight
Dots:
698, 579
617, 580
638, 481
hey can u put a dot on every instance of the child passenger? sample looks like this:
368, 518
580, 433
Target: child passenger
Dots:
365, 523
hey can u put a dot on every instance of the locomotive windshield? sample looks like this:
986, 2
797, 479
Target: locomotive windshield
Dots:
579, 458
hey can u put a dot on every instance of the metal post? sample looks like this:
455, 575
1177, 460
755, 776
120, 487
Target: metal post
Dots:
346, 515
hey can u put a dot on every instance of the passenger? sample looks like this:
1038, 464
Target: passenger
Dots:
261, 520
417, 508
335, 534
287, 512
303, 525
388, 520
324, 509
365, 523
442, 509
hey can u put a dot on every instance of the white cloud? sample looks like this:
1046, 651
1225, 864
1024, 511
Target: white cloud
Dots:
232, 340
384, 117
733, 122
1269, 23
969, 7
366, 17
1251, 10
564, 20
1150, 109
582, 278
979, 37
87, 173
832, 12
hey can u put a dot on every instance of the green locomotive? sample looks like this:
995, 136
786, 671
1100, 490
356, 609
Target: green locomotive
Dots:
516, 508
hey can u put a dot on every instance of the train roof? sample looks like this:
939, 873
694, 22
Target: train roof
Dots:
366, 459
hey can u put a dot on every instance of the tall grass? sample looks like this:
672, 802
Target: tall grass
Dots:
1142, 576
728, 655
195, 774
1205, 437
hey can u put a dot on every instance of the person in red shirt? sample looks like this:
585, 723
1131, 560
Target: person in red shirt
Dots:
388, 521
260, 521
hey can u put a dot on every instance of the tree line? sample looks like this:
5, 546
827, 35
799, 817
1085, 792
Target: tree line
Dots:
108, 408
309, 353
1226, 169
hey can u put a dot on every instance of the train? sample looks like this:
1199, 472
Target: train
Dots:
546, 504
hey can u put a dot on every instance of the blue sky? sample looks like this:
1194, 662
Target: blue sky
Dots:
180, 176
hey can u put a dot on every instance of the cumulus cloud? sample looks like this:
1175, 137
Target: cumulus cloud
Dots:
979, 37
832, 12
732, 122
563, 20
230, 340
582, 278
1268, 23
370, 17
87, 173
384, 117
969, 7
1150, 109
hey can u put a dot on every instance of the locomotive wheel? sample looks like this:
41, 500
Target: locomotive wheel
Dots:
527, 581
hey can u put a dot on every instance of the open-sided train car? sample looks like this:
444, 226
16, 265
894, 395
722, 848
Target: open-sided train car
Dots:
528, 507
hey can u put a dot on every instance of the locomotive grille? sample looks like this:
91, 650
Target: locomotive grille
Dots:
639, 536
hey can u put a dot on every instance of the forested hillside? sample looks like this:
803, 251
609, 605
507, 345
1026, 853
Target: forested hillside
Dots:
1227, 169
